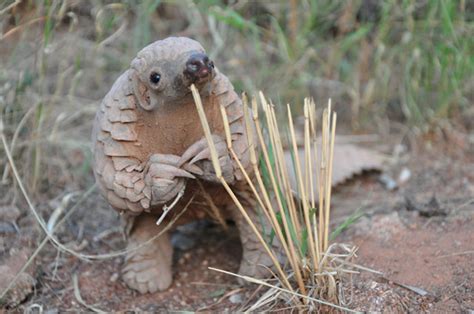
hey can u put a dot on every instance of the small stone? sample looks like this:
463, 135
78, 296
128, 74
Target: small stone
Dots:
388, 182
235, 298
373, 285
114, 277
404, 176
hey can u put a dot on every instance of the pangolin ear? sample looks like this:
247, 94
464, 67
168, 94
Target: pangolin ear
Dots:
142, 93
140, 89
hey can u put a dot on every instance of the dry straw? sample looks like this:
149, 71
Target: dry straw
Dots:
299, 219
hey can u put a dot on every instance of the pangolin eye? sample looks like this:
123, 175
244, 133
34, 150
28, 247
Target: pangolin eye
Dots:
155, 78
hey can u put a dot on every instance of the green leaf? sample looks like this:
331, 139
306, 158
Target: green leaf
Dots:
343, 226
233, 19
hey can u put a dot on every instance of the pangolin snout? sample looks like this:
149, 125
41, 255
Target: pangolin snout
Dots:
199, 67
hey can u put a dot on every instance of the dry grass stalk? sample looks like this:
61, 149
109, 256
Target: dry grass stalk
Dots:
77, 295
312, 274
214, 212
218, 170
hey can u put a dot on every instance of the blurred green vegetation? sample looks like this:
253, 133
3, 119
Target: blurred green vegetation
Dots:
411, 61
404, 62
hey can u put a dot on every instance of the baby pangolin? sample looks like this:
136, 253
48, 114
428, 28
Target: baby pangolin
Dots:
149, 150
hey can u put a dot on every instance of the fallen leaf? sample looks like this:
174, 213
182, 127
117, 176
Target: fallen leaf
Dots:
349, 160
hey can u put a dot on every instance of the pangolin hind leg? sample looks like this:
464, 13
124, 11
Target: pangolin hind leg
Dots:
148, 268
255, 260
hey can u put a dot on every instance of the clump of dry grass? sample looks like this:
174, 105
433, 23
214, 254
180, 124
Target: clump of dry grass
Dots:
300, 219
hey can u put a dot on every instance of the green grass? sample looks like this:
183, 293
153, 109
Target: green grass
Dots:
409, 61
412, 60
346, 224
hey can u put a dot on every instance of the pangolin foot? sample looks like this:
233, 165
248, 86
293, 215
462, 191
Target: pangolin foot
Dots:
148, 268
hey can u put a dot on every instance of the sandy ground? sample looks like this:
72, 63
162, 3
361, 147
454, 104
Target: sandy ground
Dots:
420, 236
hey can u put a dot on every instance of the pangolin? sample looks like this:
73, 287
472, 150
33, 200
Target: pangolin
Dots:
150, 152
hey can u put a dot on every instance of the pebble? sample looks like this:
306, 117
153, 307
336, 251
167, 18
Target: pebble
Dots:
114, 277
373, 285
235, 298
388, 182
404, 176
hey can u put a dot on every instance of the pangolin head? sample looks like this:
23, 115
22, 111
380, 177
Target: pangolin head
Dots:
163, 71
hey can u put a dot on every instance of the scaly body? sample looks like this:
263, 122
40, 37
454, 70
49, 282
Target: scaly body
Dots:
149, 146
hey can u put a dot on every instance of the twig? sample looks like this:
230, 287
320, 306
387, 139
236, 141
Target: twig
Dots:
343, 262
15, 138
77, 294
264, 283
20, 27
113, 36
59, 210
167, 208
303, 191
456, 254
292, 256
10, 6
226, 295
214, 210
241, 309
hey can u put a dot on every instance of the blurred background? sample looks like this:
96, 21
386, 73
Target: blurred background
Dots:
395, 66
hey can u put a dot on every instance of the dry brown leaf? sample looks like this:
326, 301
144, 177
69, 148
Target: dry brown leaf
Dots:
349, 160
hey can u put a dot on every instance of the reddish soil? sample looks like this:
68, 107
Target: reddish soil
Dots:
424, 249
